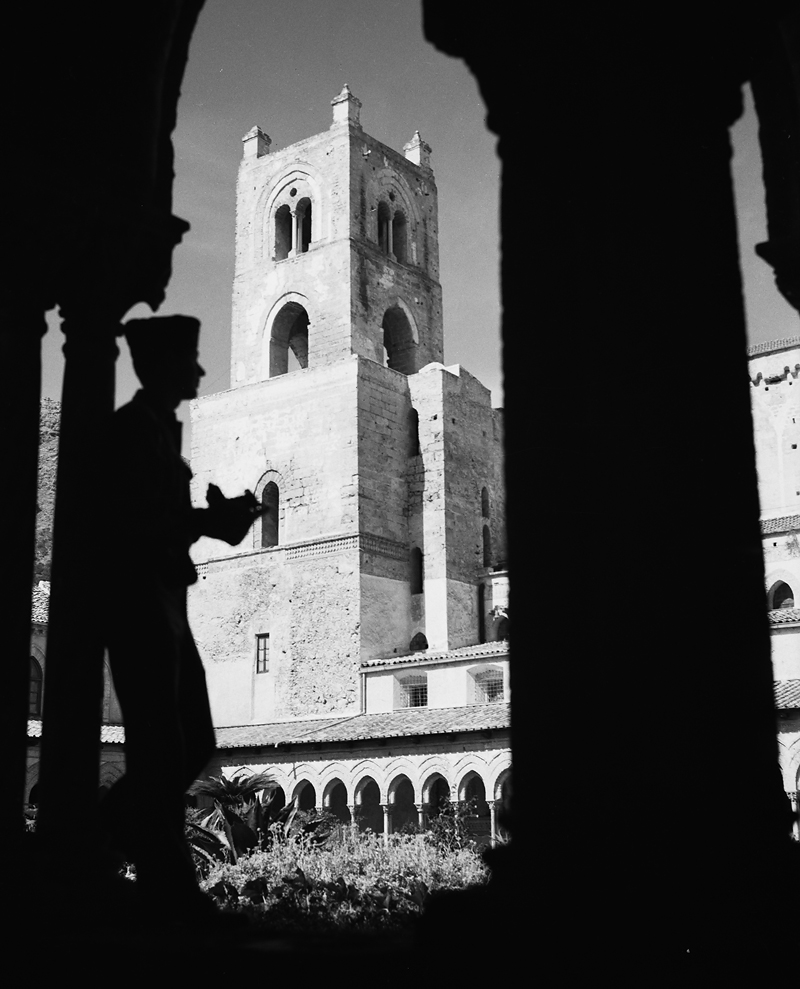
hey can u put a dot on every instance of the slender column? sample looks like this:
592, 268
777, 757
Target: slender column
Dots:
387, 821
389, 238
73, 698
20, 352
421, 816
793, 797
293, 251
493, 821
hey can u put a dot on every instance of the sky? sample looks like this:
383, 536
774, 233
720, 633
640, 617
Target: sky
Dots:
252, 62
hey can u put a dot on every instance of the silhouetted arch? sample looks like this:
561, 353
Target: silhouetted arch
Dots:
289, 333
36, 681
335, 800
398, 339
270, 520
369, 813
401, 799
307, 794
417, 570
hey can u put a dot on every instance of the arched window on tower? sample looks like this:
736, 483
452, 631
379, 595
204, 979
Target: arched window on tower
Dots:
416, 570
487, 547
398, 339
399, 237
289, 336
384, 228
485, 503
303, 225
283, 232
270, 499
35, 694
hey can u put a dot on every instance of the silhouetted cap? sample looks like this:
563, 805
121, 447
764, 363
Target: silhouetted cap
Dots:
162, 336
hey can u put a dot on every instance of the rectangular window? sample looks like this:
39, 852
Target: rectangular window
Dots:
262, 653
415, 690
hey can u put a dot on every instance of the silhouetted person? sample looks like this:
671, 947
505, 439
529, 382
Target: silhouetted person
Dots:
158, 674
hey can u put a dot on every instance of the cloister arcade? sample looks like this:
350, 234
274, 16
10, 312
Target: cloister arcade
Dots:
388, 799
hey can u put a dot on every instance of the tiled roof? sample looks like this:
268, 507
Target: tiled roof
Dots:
784, 523
40, 602
109, 734
393, 724
787, 694
770, 346
784, 616
482, 650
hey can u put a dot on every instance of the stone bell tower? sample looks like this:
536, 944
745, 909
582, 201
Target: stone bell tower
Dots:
336, 252
379, 469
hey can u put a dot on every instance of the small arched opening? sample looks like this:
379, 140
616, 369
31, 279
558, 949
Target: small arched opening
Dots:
270, 520
369, 813
436, 795
781, 595
36, 681
289, 335
400, 237
283, 232
419, 643
401, 799
398, 341
335, 801
307, 796
485, 503
502, 630
476, 808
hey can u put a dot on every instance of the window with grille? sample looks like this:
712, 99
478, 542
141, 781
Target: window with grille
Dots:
262, 653
489, 687
415, 691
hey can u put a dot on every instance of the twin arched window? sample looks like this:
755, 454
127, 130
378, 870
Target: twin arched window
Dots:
393, 231
292, 228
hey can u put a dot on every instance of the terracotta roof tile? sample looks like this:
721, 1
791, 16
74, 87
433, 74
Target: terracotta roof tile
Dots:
784, 616
480, 651
787, 694
393, 724
785, 523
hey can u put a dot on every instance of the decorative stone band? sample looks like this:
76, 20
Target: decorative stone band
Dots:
364, 541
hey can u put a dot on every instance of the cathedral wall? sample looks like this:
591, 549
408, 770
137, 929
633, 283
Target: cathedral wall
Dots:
386, 620
308, 605
301, 427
